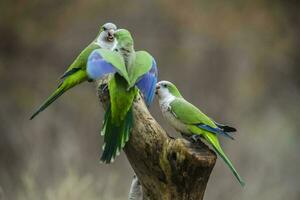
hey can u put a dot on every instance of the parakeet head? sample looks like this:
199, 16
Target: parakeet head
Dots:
106, 33
124, 39
165, 88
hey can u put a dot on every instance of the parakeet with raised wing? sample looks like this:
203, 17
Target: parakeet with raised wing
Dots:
147, 82
76, 73
190, 121
141, 66
128, 68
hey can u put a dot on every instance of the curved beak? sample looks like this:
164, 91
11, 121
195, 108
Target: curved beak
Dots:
156, 89
110, 35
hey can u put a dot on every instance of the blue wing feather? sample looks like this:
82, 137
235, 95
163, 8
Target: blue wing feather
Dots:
217, 131
147, 82
97, 67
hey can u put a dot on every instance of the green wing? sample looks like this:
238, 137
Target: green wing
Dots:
118, 118
81, 60
189, 114
116, 60
120, 98
115, 136
74, 75
141, 65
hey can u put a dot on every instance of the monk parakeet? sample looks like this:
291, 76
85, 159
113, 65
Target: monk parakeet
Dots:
132, 70
190, 121
76, 73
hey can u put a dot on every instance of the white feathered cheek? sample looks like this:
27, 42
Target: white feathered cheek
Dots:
163, 92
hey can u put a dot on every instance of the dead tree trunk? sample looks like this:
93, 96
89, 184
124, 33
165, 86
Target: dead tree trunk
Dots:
167, 168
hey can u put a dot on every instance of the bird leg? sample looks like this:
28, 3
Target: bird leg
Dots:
104, 88
196, 138
191, 138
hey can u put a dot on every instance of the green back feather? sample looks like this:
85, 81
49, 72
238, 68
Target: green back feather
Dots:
189, 114
115, 136
120, 97
141, 65
116, 60
81, 60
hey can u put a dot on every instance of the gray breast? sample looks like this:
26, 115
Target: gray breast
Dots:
174, 122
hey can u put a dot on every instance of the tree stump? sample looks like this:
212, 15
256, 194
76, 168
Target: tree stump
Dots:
167, 168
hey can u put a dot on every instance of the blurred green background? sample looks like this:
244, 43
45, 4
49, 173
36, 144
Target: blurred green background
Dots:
237, 60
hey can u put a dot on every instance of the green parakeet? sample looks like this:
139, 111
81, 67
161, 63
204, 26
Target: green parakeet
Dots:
76, 73
190, 121
127, 67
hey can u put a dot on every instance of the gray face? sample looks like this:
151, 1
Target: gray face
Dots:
109, 26
162, 89
107, 35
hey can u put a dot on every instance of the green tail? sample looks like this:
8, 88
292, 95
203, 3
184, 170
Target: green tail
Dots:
57, 93
216, 145
73, 79
115, 135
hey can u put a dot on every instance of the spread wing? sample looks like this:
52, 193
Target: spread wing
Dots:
103, 61
142, 64
147, 82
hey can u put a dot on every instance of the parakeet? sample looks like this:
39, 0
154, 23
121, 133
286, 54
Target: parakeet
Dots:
190, 121
76, 73
128, 68
141, 66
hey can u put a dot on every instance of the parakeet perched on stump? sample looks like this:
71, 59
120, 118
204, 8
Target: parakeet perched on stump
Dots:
76, 73
190, 121
131, 71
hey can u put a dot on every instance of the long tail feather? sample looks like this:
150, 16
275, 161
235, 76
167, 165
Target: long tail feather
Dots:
57, 93
67, 83
226, 128
212, 139
115, 136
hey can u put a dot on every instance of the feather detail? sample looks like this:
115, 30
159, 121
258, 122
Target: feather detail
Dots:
70, 72
115, 136
213, 140
226, 128
216, 131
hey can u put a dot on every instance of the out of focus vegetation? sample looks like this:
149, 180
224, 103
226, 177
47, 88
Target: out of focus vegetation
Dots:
237, 60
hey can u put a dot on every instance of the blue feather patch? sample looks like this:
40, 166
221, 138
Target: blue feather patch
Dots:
147, 82
97, 67
214, 130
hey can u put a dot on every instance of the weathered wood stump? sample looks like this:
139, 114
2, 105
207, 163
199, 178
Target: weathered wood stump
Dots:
167, 168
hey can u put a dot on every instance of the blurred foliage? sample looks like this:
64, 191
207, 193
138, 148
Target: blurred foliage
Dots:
72, 186
237, 60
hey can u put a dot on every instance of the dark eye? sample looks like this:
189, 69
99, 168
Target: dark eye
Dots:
104, 28
165, 85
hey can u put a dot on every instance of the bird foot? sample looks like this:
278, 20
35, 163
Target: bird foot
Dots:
104, 88
196, 138
192, 138
103, 92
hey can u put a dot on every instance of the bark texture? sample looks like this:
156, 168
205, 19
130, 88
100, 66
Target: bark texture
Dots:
167, 168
